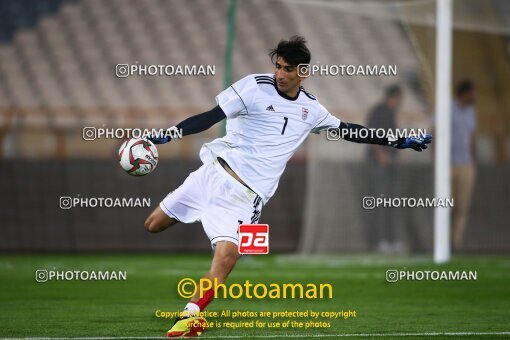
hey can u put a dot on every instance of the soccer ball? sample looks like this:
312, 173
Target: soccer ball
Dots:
138, 157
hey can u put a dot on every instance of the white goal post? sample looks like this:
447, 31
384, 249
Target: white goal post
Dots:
443, 122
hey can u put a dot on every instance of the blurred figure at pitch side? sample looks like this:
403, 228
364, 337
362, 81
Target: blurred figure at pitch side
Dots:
381, 221
463, 157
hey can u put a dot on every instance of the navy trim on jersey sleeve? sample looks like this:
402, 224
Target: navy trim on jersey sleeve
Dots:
265, 80
239, 98
319, 124
260, 79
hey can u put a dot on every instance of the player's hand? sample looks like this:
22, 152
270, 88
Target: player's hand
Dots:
418, 143
158, 139
161, 137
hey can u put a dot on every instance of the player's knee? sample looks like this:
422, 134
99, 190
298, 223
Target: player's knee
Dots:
158, 222
228, 261
151, 225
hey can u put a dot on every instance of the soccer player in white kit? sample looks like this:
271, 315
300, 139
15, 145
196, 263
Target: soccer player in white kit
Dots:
268, 117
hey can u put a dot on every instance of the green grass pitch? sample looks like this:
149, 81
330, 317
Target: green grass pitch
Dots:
473, 309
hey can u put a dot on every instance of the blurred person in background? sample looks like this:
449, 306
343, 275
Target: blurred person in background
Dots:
463, 156
381, 221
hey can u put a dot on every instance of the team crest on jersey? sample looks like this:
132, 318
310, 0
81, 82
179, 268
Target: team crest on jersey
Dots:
304, 113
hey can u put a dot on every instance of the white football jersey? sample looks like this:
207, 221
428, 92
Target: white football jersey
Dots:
264, 129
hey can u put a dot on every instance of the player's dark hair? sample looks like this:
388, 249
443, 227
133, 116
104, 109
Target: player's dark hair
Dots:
393, 91
464, 86
294, 51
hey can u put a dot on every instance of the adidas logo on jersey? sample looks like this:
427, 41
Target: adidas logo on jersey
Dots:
270, 108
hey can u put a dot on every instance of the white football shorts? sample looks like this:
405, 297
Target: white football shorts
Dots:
212, 196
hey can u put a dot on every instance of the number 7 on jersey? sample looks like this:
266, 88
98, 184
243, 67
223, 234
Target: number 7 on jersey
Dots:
284, 124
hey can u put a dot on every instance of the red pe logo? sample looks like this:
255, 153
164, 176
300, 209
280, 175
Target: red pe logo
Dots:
253, 239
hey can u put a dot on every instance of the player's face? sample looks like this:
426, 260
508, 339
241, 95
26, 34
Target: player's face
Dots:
287, 79
470, 97
395, 101
467, 98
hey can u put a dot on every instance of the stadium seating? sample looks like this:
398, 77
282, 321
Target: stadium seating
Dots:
62, 56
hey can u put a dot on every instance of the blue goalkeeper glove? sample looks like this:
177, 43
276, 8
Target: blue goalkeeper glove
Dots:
159, 140
162, 138
418, 143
